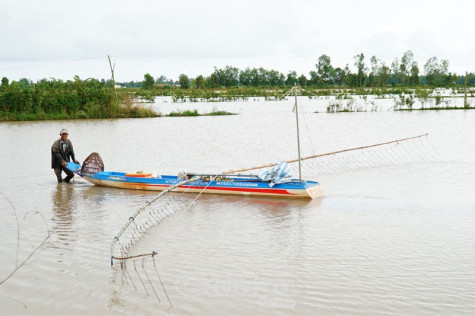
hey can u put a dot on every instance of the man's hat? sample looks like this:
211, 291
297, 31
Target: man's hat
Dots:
63, 131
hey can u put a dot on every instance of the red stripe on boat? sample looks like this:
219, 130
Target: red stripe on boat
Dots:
279, 191
273, 191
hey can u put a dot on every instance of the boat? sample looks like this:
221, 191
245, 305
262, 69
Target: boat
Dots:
244, 185
274, 182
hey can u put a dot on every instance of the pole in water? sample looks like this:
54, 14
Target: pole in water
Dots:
298, 133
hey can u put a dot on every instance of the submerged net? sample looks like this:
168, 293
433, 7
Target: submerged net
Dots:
151, 214
141, 269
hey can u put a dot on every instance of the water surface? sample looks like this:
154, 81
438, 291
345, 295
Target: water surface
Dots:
395, 239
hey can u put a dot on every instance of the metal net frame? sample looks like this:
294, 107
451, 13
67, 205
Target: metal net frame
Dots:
145, 273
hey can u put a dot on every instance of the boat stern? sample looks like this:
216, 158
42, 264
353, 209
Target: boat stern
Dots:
315, 191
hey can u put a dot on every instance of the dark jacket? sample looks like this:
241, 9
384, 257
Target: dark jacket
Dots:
58, 155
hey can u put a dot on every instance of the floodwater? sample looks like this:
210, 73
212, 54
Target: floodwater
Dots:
388, 240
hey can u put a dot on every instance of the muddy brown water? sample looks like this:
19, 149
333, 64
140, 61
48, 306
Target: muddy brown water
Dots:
387, 240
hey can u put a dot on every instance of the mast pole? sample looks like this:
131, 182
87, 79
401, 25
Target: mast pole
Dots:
298, 132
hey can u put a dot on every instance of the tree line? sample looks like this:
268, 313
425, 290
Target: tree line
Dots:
92, 98
57, 99
374, 72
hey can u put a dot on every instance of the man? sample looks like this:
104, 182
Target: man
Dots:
61, 150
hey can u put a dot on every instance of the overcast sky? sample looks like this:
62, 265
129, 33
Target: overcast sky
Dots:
63, 38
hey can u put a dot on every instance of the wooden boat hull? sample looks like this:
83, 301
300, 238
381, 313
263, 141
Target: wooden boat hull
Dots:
228, 185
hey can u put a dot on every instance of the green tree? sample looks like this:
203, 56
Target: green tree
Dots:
303, 81
414, 74
347, 76
384, 74
405, 67
163, 80
361, 69
281, 79
200, 82
314, 78
148, 81
325, 69
444, 75
213, 81
5, 82
25, 83
255, 77
431, 69
373, 78
436, 71
263, 77
232, 76
338, 76
395, 71
227, 77
220, 76
451, 78
184, 81
245, 77
275, 78
291, 78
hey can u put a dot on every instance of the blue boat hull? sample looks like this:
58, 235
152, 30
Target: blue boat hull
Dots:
235, 185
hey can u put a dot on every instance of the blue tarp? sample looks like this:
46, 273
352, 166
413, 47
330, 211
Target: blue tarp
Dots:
280, 173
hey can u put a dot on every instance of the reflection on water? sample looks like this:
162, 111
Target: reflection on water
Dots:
62, 201
64, 208
383, 240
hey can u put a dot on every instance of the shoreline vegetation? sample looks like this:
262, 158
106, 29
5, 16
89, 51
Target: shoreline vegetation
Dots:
94, 99
195, 113
53, 99
56, 100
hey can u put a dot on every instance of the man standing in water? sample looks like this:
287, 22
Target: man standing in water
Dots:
61, 150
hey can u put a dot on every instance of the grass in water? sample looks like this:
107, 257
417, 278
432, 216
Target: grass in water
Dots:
195, 113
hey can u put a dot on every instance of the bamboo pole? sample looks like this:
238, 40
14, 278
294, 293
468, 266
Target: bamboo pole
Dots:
328, 154
113, 78
465, 99
298, 131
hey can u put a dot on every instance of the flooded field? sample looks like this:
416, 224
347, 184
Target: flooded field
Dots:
393, 239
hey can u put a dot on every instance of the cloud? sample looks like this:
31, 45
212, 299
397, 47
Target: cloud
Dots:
178, 36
